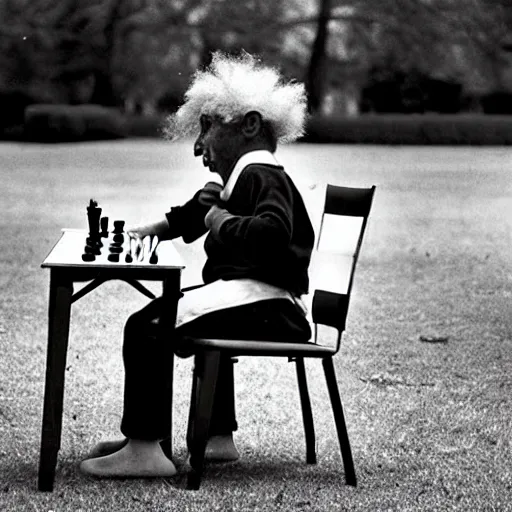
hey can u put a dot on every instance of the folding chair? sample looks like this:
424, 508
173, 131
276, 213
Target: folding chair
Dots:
329, 308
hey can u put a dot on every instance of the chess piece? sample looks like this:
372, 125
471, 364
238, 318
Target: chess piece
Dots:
129, 255
104, 227
93, 246
93, 218
118, 226
153, 257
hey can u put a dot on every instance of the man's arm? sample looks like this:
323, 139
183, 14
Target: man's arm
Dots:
186, 221
266, 232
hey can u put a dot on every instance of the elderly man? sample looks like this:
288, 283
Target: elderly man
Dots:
258, 251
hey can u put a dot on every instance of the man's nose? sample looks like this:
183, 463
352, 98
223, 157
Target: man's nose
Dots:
198, 148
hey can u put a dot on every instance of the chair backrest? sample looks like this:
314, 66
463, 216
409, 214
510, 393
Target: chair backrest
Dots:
342, 226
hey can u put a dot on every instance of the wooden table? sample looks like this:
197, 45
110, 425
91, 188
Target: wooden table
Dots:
67, 268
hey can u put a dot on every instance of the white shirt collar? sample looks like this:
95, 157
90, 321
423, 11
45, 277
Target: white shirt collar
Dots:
260, 156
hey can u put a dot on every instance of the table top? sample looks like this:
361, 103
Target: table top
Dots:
68, 251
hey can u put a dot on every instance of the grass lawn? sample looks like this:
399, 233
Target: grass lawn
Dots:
429, 423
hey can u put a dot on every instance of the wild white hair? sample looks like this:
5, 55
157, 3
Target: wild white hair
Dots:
233, 86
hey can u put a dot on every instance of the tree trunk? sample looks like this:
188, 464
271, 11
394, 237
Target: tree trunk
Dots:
315, 78
104, 93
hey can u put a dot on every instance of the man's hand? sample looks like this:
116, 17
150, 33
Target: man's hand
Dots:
158, 228
209, 195
216, 217
140, 231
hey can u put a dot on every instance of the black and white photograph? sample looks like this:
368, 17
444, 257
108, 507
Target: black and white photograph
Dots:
256, 255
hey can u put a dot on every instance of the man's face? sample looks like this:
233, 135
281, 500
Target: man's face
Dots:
220, 145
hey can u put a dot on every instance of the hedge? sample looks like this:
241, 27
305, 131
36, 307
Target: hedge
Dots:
427, 129
144, 126
65, 123
71, 123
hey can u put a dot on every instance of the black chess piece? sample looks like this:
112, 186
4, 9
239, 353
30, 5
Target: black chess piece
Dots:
93, 246
118, 226
104, 227
93, 218
154, 258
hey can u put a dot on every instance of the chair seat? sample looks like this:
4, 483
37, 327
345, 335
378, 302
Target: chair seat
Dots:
259, 348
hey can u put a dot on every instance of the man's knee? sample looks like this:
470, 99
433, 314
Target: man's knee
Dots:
138, 327
133, 325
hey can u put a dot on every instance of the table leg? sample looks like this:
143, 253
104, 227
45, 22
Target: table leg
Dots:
171, 294
61, 290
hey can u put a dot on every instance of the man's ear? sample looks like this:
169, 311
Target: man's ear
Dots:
252, 124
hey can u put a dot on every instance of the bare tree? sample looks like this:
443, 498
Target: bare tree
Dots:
429, 35
315, 75
146, 48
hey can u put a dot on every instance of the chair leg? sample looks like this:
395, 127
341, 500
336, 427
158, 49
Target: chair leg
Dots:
307, 414
207, 374
339, 418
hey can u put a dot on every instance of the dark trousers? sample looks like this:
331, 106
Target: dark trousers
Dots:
147, 392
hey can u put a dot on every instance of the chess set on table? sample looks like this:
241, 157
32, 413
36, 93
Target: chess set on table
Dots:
92, 258
116, 246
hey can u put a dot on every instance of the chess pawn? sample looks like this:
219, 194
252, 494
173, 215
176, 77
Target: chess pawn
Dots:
104, 227
118, 226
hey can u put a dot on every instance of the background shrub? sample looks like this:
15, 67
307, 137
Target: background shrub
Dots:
144, 126
411, 129
65, 123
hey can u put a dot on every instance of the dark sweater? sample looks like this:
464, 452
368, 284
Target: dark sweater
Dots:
269, 236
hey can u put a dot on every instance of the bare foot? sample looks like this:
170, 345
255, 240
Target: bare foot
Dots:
221, 449
106, 448
137, 459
